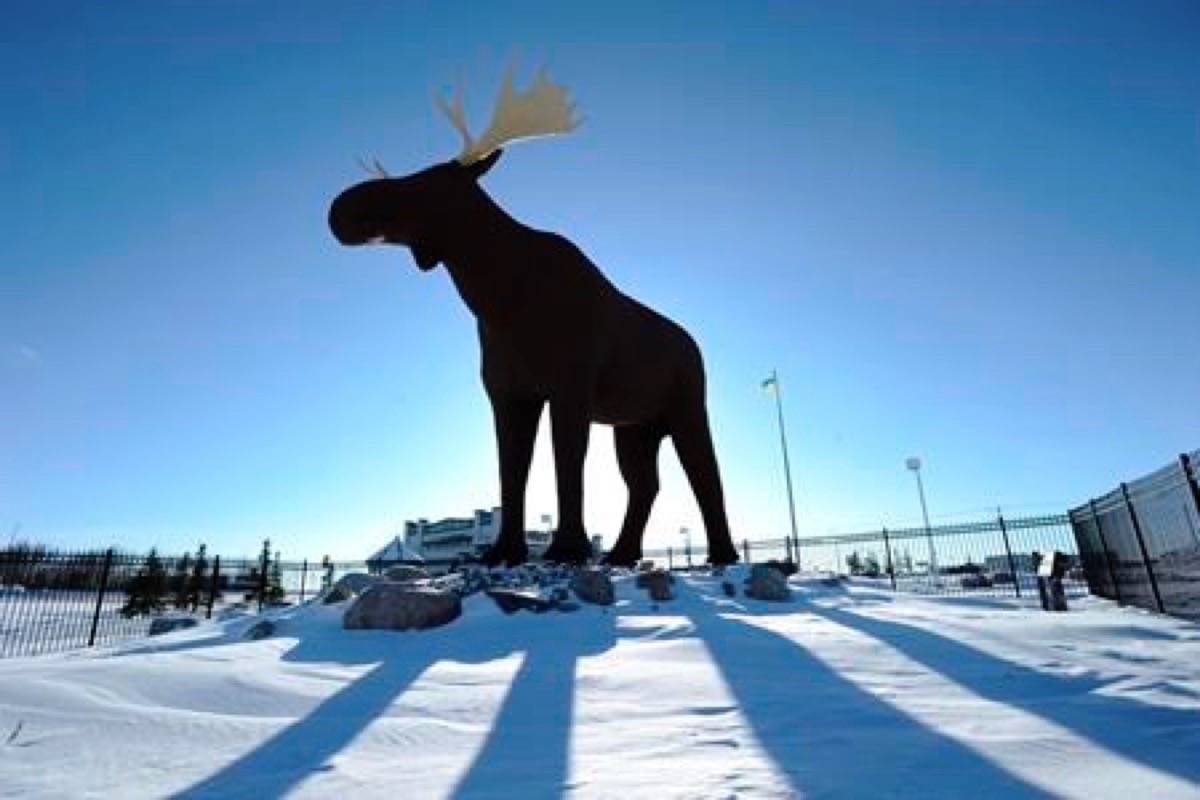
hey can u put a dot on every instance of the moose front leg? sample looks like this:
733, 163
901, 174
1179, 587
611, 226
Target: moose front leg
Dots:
516, 420
570, 425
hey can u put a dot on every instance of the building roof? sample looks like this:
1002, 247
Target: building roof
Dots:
395, 551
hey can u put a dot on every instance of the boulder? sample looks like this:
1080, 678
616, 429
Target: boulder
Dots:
337, 594
729, 589
643, 578
356, 582
593, 585
657, 584
401, 607
406, 573
260, 630
786, 567
767, 583
161, 625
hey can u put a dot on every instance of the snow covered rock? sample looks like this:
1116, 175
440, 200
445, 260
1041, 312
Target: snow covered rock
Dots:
593, 586
161, 625
657, 583
766, 582
260, 630
337, 594
401, 607
405, 573
356, 582
512, 600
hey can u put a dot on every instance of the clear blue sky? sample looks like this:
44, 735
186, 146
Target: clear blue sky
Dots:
966, 231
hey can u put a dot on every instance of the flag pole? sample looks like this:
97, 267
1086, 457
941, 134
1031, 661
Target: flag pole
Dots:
787, 467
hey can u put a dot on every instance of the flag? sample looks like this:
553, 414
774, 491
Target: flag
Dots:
771, 385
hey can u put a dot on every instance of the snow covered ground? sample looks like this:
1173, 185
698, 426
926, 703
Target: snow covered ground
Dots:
845, 692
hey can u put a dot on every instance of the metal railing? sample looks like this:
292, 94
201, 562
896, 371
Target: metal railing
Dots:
994, 556
54, 601
1140, 543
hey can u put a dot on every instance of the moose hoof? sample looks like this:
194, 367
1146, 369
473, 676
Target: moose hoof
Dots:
618, 557
506, 555
576, 550
723, 556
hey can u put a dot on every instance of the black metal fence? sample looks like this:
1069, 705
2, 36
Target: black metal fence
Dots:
53, 601
1140, 543
995, 556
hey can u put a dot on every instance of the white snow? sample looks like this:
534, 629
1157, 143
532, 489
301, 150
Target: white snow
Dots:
848, 691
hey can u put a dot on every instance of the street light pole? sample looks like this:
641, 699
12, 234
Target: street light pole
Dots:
914, 464
772, 383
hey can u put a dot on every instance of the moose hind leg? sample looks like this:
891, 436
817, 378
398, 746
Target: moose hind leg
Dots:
693, 444
637, 456
516, 421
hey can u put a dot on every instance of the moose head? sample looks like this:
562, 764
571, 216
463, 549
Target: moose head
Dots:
421, 211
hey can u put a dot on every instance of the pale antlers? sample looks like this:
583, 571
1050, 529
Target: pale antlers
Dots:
542, 110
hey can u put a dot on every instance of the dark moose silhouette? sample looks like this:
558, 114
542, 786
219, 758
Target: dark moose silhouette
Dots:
552, 329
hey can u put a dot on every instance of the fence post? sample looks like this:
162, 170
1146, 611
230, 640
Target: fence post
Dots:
303, 578
891, 566
1012, 562
788, 547
670, 559
100, 596
213, 585
1112, 573
262, 578
1137, 529
746, 547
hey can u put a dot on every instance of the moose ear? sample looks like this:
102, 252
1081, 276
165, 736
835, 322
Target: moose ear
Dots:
480, 167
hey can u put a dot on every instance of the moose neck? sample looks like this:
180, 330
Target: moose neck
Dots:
483, 254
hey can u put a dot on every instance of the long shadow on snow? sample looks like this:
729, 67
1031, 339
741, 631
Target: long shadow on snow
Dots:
532, 728
1127, 727
833, 739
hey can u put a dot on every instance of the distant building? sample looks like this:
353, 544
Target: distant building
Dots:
459, 537
392, 554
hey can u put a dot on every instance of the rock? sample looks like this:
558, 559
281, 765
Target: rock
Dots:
260, 630
658, 584
356, 582
644, 577
337, 594
161, 625
567, 606
406, 573
729, 589
559, 595
513, 600
786, 567
593, 585
767, 583
401, 607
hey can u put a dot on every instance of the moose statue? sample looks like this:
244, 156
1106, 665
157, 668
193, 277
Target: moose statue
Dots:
552, 329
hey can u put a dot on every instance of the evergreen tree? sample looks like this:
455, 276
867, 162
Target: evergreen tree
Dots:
275, 592
179, 582
854, 563
198, 583
871, 566
148, 589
